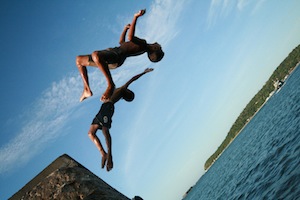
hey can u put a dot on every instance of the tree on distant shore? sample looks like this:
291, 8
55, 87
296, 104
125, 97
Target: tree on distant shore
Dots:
284, 69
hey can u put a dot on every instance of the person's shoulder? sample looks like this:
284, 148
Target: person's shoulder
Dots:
120, 90
123, 88
139, 40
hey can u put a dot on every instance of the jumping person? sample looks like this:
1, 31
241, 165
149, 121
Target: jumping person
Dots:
112, 58
103, 119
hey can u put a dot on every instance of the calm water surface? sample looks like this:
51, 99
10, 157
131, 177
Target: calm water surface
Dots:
263, 162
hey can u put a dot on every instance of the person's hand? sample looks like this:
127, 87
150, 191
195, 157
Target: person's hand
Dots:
140, 13
127, 27
148, 70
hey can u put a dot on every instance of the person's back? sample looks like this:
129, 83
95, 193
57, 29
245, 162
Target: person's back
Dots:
133, 48
117, 95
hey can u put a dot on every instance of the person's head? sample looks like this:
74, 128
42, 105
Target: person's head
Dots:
137, 198
128, 95
155, 53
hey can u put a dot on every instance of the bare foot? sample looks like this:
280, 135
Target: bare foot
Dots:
103, 161
110, 164
85, 94
107, 94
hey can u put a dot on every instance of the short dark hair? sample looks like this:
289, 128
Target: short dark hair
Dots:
155, 53
156, 56
137, 198
128, 95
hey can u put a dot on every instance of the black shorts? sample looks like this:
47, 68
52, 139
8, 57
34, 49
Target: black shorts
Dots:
104, 116
112, 56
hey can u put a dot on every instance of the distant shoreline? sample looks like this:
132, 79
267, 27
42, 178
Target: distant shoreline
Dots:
271, 94
282, 72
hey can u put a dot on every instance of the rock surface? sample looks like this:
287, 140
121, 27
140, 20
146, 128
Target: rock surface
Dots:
65, 178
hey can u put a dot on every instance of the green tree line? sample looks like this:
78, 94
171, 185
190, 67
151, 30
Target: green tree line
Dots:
256, 102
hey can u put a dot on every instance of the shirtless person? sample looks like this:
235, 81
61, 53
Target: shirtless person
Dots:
103, 119
114, 57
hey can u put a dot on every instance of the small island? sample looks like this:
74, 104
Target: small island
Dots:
273, 84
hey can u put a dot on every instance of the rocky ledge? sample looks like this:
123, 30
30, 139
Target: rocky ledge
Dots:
65, 178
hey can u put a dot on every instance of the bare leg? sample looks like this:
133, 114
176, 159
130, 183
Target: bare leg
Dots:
82, 62
96, 141
105, 70
107, 136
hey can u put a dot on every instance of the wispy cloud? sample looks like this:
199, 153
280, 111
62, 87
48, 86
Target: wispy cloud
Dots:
44, 120
241, 4
51, 110
160, 24
157, 25
222, 8
218, 8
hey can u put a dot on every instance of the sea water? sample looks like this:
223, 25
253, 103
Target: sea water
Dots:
263, 162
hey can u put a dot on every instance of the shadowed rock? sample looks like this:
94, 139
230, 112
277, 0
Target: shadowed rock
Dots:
65, 178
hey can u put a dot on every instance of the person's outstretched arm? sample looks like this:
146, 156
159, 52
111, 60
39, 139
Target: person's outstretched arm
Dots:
123, 35
137, 77
133, 24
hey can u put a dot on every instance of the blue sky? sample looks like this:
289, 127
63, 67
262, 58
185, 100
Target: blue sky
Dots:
218, 54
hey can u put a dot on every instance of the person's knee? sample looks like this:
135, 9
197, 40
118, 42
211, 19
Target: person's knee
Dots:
92, 134
78, 61
95, 56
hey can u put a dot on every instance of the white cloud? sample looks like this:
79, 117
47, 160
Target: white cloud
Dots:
159, 25
51, 111
257, 6
31, 139
217, 8
241, 4
44, 121
254, 5
222, 8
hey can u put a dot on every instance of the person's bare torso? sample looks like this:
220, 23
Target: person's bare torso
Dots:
117, 95
133, 48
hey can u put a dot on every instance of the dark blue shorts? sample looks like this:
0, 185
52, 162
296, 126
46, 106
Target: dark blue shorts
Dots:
104, 116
